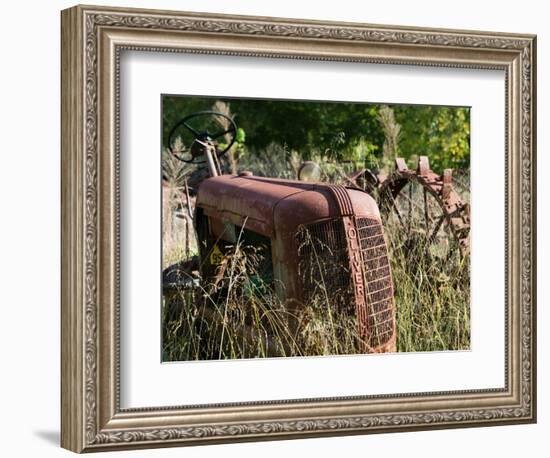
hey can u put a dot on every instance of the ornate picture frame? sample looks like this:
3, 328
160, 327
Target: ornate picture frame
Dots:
92, 41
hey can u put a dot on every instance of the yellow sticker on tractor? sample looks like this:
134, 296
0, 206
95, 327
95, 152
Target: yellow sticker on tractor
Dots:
216, 256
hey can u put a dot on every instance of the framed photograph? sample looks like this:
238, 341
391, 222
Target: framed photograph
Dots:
278, 228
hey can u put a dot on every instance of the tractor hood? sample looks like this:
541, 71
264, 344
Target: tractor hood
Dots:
263, 204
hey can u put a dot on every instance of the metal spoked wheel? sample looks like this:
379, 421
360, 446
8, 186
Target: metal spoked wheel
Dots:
428, 216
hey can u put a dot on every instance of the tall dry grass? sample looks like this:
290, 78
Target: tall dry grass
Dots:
241, 316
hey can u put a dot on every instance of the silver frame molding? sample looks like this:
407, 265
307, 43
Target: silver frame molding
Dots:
92, 40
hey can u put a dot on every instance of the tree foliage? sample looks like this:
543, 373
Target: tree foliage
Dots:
441, 133
340, 130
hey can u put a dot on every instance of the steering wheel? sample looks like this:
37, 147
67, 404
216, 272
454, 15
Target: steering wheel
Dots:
199, 128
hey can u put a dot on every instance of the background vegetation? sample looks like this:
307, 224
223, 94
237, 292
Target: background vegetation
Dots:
338, 131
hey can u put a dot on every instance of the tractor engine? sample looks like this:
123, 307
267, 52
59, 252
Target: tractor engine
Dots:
319, 238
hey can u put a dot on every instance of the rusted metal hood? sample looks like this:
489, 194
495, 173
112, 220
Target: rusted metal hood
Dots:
266, 203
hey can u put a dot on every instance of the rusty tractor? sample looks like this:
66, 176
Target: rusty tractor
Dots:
300, 225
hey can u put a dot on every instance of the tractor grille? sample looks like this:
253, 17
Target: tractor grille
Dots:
324, 270
323, 263
378, 282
